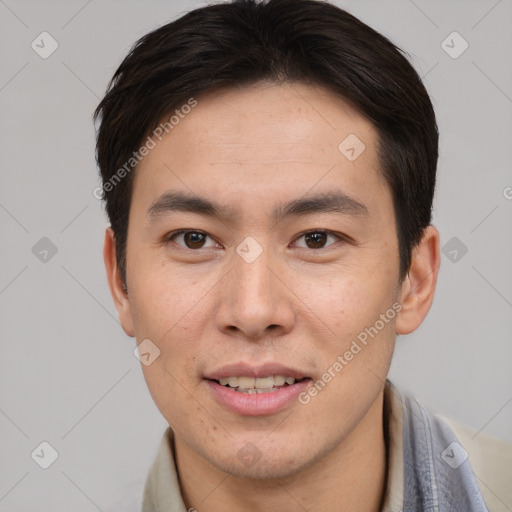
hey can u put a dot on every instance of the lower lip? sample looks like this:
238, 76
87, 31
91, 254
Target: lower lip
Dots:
257, 403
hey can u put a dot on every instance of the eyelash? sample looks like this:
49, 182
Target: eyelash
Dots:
174, 234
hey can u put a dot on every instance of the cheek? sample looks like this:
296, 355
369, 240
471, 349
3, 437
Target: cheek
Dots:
159, 304
349, 301
172, 399
162, 318
351, 307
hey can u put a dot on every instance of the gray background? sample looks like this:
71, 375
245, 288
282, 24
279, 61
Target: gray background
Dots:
68, 375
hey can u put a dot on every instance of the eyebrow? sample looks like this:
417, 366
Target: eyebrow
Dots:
335, 201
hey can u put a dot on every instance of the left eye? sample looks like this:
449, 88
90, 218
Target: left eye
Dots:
317, 239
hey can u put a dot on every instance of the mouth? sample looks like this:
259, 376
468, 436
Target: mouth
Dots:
251, 391
257, 385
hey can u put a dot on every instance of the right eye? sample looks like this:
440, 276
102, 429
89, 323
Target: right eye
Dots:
191, 239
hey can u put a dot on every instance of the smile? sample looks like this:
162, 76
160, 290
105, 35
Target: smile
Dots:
248, 396
252, 385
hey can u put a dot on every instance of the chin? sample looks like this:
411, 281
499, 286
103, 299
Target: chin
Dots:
268, 463
265, 469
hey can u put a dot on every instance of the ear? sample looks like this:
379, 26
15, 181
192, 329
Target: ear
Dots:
417, 292
115, 283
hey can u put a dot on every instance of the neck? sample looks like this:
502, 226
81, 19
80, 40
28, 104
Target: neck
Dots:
352, 476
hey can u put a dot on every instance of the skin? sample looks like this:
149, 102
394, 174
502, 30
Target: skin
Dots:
300, 304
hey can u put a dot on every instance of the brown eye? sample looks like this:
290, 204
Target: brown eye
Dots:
194, 240
190, 239
317, 239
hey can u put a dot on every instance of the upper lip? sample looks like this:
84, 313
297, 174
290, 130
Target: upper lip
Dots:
247, 370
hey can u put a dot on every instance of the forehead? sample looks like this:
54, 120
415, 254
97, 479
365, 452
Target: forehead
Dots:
267, 139
275, 120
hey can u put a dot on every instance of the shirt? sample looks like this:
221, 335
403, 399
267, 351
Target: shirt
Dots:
428, 465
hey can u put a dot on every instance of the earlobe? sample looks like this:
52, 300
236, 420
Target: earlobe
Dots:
418, 288
115, 283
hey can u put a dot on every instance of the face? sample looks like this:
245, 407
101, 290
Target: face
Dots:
257, 248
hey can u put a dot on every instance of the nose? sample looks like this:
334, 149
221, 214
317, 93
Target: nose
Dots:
256, 300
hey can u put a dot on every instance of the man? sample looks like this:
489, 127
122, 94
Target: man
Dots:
268, 171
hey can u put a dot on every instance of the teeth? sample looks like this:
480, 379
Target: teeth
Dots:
262, 383
280, 380
259, 385
246, 382
257, 391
